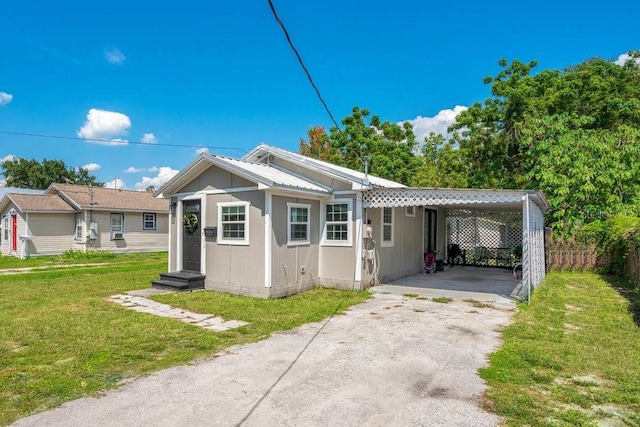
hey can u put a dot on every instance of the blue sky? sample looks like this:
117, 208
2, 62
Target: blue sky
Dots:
221, 75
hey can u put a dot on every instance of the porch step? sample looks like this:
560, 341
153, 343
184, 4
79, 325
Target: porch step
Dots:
180, 281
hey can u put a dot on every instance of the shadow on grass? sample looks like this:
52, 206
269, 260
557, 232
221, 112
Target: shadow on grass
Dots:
630, 290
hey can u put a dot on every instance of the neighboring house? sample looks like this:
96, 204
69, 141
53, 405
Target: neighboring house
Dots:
82, 217
275, 223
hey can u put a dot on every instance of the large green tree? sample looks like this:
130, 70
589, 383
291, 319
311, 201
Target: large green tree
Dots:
25, 173
387, 148
573, 133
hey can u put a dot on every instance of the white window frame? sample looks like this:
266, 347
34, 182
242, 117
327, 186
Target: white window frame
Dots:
79, 232
383, 224
410, 211
111, 229
348, 222
6, 227
290, 240
154, 220
228, 241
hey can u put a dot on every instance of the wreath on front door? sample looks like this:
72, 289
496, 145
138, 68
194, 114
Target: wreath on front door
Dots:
190, 222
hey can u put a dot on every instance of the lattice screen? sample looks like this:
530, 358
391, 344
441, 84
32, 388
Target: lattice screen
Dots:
485, 237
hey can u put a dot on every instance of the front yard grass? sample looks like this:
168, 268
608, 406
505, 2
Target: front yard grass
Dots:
60, 339
571, 357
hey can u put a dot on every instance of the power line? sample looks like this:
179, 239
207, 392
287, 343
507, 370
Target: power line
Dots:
113, 142
286, 34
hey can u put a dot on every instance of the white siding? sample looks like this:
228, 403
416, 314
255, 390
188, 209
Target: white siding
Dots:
135, 238
51, 234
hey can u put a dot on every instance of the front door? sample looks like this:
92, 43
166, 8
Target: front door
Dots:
191, 240
14, 233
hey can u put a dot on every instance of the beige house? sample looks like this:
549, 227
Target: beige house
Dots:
275, 223
82, 217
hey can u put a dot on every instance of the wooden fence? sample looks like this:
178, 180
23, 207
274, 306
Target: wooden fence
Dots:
570, 255
632, 266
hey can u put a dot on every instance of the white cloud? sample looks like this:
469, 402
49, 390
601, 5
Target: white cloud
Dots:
5, 98
201, 150
165, 173
114, 56
8, 157
91, 167
423, 126
152, 169
131, 169
3, 182
104, 125
149, 138
116, 183
623, 58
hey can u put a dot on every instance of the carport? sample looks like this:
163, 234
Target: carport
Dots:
493, 228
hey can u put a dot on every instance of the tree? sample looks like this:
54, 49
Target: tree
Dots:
318, 146
573, 134
25, 173
387, 148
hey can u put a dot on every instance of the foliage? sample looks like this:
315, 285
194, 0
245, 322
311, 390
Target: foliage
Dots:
75, 254
387, 147
25, 173
575, 134
60, 339
568, 358
613, 236
318, 145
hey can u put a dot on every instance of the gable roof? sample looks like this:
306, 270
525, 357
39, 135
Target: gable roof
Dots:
17, 190
101, 198
37, 203
266, 176
356, 178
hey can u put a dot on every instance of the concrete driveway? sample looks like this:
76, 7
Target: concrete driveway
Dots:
389, 361
485, 284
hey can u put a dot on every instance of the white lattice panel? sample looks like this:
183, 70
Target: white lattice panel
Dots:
400, 197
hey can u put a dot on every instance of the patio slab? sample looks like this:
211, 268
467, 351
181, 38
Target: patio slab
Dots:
492, 285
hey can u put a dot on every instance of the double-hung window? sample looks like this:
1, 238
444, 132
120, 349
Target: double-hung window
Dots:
387, 227
117, 226
78, 234
6, 227
337, 219
298, 224
148, 221
233, 223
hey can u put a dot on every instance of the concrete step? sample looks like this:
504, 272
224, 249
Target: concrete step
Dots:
179, 280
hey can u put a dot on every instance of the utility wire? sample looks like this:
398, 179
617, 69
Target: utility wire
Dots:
286, 34
111, 141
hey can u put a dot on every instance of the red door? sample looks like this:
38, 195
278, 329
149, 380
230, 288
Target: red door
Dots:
14, 232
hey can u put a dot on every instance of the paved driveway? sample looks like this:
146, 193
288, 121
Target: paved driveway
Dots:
389, 361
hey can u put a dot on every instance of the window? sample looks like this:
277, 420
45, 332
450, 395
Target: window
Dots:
117, 226
78, 235
387, 227
411, 211
233, 223
6, 227
336, 226
148, 221
298, 224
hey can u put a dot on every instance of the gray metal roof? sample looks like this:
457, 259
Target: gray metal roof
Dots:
267, 174
347, 174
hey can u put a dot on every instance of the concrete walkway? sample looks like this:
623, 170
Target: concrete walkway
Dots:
145, 305
390, 361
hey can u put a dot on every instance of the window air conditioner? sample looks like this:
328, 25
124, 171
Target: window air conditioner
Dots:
117, 235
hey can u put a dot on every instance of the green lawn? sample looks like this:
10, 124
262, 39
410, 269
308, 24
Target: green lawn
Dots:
60, 339
572, 357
